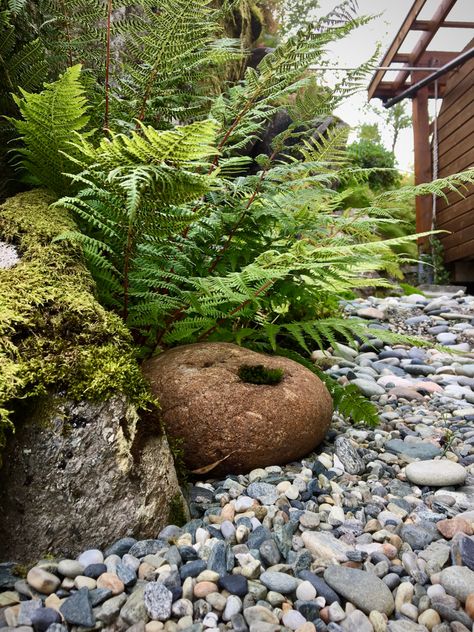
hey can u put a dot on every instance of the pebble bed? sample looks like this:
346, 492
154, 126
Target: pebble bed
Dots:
372, 533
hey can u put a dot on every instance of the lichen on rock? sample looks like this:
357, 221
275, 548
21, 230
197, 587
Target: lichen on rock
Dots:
54, 334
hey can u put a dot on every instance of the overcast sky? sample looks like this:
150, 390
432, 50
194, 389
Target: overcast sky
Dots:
359, 46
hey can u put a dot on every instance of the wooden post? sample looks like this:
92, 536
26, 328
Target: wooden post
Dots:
421, 133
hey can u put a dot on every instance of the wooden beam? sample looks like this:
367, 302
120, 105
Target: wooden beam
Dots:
395, 45
421, 130
438, 18
388, 90
426, 25
430, 58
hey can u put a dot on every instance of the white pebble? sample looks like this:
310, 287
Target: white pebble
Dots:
306, 591
293, 619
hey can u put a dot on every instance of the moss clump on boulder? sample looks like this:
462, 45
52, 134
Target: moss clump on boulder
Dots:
54, 335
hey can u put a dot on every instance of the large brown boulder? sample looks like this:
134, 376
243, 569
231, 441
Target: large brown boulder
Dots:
82, 475
204, 402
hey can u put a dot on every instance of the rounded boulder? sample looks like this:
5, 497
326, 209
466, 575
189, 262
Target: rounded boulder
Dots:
243, 425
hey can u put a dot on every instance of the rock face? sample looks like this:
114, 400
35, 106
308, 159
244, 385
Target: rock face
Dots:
204, 402
82, 477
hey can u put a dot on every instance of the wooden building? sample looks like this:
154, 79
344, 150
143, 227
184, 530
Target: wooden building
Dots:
446, 145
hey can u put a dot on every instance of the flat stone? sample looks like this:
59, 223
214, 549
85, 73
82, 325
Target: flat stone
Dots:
263, 492
436, 473
458, 581
369, 388
325, 548
365, 590
77, 609
279, 582
419, 450
370, 313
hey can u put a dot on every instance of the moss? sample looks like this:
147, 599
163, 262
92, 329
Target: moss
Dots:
259, 374
177, 511
54, 335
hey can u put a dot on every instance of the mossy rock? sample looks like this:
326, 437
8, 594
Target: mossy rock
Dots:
54, 334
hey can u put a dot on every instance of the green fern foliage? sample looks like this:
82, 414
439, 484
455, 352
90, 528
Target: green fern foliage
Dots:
49, 121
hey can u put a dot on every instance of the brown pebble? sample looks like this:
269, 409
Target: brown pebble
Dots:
324, 614
146, 571
449, 527
389, 550
469, 607
112, 582
202, 589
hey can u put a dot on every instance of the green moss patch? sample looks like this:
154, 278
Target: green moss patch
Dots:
259, 374
54, 335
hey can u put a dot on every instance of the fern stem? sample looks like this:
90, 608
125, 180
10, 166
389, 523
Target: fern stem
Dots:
107, 65
68, 34
237, 309
235, 227
126, 270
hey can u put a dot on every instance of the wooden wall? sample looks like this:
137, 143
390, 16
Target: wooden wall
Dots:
456, 153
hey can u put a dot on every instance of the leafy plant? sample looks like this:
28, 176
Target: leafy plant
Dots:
186, 236
368, 154
49, 119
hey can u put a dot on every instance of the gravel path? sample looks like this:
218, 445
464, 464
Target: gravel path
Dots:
373, 532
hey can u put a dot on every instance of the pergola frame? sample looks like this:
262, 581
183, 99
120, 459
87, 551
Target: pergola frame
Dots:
419, 56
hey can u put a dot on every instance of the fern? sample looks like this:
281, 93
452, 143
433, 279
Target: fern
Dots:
49, 120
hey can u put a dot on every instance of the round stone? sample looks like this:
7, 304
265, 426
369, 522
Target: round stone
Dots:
91, 556
365, 590
235, 584
70, 568
279, 582
306, 591
458, 581
111, 582
42, 581
202, 589
204, 402
435, 473
293, 619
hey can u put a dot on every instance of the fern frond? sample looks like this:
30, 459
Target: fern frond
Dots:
48, 120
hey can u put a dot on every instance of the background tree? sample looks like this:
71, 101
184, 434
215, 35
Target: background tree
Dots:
397, 119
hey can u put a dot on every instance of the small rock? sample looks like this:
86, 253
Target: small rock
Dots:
92, 556
158, 600
77, 609
42, 581
458, 581
70, 568
42, 618
366, 591
436, 473
279, 582
111, 582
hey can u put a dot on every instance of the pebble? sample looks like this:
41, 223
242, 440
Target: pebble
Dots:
441, 473
42, 581
366, 591
158, 600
